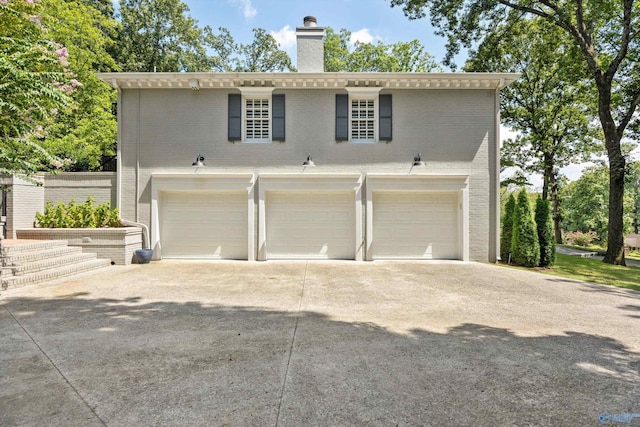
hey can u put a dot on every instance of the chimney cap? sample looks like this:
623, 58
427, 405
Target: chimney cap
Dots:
310, 21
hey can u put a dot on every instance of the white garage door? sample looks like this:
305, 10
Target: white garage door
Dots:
310, 225
415, 225
210, 225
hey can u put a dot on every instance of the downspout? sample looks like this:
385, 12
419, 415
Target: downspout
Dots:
496, 201
145, 231
119, 118
138, 157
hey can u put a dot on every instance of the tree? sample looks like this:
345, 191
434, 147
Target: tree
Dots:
262, 55
585, 202
525, 249
224, 46
548, 106
544, 227
159, 35
507, 228
606, 34
341, 55
34, 85
87, 133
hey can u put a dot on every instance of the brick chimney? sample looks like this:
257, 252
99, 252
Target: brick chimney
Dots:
310, 39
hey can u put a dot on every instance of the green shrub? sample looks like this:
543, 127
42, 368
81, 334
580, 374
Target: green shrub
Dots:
507, 228
73, 215
525, 249
544, 226
578, 238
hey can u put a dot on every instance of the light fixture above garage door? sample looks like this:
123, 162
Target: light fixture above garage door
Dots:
199, 161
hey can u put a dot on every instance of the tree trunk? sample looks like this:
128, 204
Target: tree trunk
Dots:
548, 175
550, 188
615, 229
555, 209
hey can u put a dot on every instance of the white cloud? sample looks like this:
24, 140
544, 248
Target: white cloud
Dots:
363, 36
248, 10
285, 36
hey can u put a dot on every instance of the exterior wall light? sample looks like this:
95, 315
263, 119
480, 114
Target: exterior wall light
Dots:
309, 161
417, 161
199, 161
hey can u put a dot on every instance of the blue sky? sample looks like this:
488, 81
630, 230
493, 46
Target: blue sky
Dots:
368, 20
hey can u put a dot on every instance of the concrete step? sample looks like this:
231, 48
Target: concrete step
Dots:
11, 247
15, 258
12, 282
47, 263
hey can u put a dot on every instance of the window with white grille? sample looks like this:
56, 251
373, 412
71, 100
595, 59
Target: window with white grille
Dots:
363, 120
257, 120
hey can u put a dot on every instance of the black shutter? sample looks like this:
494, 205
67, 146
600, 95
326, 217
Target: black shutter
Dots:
234, 131
277, 117
342, 117
386, 128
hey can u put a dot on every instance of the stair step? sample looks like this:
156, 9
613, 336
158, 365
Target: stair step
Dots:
53, 262
20, 246
23, 257
13, 282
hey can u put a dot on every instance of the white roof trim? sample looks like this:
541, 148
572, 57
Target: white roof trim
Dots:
259, 91
310, 80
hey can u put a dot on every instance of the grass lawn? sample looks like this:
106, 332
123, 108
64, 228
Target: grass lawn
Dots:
591, 270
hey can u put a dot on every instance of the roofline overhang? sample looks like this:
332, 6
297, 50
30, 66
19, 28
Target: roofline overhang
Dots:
310, 80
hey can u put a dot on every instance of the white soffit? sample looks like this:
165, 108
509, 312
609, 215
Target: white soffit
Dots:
244, 81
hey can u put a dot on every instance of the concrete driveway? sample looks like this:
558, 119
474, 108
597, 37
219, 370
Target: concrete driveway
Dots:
318, 343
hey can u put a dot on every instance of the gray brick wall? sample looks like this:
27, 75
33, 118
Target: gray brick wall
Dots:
63, 187
24, 199
454, 129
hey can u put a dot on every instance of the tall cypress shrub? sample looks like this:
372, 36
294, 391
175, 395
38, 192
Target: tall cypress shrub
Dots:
525, 249
507, 228
544, 225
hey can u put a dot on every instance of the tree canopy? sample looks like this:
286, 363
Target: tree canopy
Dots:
342, 55
34, 86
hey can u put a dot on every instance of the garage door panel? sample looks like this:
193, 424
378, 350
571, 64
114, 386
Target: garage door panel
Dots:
415, 225
204, 225
310, 225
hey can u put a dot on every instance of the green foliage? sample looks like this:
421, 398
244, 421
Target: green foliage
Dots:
586, 202
544, 227
73, 215
507, 228
159, 35
33, 85
340, 55
550, 106
525, 249
89, 131
578, 238
262, 55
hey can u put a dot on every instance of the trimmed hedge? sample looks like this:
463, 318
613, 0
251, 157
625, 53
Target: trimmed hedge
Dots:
525, 249
507, 228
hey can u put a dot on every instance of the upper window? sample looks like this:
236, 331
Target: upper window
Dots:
363, 120
363, 115
257, 120
256, 115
